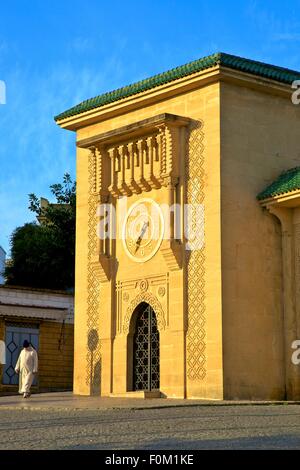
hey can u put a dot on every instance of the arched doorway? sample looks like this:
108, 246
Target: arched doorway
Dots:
145, 349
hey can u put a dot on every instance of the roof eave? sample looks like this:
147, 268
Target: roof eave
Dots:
140, 99
282, 199
196, 80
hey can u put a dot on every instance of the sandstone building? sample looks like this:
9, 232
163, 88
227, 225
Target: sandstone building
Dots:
216, 320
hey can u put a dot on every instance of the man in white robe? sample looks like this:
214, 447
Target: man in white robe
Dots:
27, 366
2, 352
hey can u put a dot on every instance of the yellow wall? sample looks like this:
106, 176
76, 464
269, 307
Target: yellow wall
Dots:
2, 338
259, 140
56, 356
55, 363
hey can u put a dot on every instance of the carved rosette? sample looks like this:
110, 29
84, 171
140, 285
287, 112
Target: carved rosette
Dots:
161, 291
144, 285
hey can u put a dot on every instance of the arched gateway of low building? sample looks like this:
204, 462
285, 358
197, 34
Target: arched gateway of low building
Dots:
143, 350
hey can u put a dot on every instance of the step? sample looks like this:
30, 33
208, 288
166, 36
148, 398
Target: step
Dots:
139, 394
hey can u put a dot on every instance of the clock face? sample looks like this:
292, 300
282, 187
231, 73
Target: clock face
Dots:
143, 230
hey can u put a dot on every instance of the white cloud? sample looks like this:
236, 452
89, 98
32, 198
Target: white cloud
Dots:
286, 37
81, 44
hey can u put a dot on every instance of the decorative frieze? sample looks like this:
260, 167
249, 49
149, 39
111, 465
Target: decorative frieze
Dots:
139, 165
137, 158
154, 290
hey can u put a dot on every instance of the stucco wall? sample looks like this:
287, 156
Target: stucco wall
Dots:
259, 139
56, 356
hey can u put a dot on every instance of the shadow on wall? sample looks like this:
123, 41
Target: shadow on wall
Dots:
94, 363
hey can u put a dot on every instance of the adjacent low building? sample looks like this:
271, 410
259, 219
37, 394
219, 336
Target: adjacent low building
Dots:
46, 319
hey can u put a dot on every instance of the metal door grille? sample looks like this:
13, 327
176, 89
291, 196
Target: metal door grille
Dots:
146, 351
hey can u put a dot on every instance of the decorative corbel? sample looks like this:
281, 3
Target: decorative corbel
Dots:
168, 138
103, 266
172, 251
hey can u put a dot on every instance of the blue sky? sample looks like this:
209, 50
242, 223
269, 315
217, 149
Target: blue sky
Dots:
55, 54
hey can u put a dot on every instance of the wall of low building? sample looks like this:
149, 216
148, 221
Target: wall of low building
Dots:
51, 314
259, 140
56, 356
36, 303
2, 338
55, 353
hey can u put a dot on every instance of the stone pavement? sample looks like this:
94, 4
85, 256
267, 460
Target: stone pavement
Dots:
170, 428
68, 401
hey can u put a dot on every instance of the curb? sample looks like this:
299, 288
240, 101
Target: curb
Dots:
150, 407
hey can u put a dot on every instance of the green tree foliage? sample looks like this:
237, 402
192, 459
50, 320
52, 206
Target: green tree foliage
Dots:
43, 254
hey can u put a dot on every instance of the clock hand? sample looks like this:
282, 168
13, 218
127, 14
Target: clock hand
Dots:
138, 242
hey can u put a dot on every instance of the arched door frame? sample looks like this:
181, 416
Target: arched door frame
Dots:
130, 344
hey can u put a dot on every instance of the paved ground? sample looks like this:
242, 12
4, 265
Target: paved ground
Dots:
68, 401
85, 423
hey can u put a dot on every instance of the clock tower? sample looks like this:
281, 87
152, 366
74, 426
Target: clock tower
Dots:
148, 317
187, 234
137, 259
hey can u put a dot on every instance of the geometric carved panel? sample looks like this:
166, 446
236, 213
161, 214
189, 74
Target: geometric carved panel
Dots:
93, 369
196, 361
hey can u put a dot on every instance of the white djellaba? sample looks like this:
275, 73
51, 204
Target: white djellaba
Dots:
27, 366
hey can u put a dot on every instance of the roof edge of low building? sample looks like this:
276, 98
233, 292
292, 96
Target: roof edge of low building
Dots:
287, 182
38, 289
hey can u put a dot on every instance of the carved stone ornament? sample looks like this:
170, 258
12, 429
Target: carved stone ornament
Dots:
144, 285
153, 302
161, 291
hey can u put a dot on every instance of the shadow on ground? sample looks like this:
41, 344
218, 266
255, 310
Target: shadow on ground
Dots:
281, 441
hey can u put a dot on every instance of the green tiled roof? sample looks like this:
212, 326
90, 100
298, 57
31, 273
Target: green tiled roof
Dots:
261, 69
286, 182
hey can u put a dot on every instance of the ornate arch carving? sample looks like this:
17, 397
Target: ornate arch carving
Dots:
153, 302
